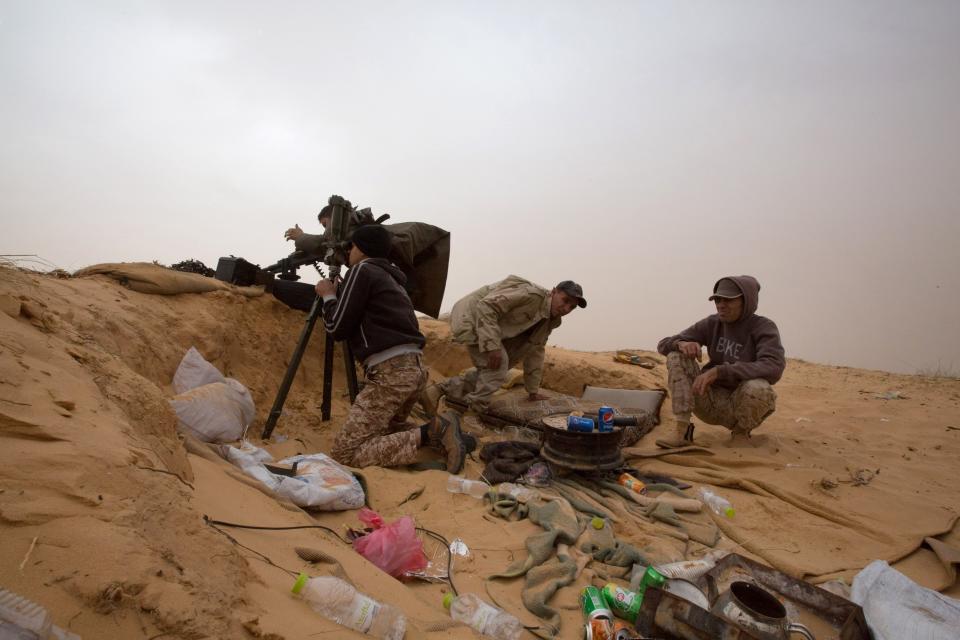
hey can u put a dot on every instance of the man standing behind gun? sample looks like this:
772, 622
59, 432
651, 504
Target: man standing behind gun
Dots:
502, 324
374, 313
745, 358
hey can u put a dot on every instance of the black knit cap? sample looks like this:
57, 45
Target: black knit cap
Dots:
372, 239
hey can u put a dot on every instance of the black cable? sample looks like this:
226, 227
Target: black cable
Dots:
429, 532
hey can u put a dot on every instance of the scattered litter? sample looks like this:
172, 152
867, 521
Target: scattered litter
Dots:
884, 419
279, 438
395, 547
802, 419
896, 607
339, 601
538, 475
459, 548
890, 395
318, 482
22, 618
861, 477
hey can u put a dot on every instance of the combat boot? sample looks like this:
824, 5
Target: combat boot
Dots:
430, 399
682, 438
443, 434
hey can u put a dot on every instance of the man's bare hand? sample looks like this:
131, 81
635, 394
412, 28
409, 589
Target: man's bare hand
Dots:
690, 349
326, 288
294, 233
703, 381
494, 359
534, 397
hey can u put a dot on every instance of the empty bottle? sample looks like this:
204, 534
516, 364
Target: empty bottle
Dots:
483, 618
718, 504
521, 493
459, 484
22, 619
339, 601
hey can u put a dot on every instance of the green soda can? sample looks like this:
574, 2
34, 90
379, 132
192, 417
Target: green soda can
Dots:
623, 602
652, 578
592, 604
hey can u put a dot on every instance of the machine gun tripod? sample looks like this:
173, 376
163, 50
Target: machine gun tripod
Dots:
334, 260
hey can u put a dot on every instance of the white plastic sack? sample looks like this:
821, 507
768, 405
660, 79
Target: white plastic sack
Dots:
320, 484
215, 412
897, 608
194, 371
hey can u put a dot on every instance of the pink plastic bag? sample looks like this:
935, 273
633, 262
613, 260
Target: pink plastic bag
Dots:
394, 547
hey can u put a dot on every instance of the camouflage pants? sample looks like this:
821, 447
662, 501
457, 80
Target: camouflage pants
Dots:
376, 432
741, 410
475, 385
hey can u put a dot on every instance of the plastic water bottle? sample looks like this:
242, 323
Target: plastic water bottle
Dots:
337, 600
22, 619
521, 493
718, 504
459, 484
483, 618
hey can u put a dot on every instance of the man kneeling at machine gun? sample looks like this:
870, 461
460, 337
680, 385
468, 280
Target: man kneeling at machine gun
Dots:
373, 312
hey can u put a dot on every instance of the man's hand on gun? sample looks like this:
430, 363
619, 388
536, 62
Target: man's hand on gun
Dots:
294, 233
326, 288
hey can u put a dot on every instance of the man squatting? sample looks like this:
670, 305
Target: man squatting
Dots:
734, 389
373, 312
503, 324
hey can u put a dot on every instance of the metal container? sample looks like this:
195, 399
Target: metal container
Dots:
593, 605
622, 602
581, 424
599, 629
605, 419
757, 611
594, 451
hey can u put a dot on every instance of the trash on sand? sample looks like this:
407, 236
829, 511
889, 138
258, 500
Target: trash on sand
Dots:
487, 620
319, 483
890, 395
896, 607
340, 602
538, 475
395, 547
718, 504
459, 548
22, 618
802, 419
474, 488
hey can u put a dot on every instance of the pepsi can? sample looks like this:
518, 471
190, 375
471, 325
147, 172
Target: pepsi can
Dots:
605, 419
579, 423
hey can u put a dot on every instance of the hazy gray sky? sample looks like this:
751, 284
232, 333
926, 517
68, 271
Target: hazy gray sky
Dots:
642, 148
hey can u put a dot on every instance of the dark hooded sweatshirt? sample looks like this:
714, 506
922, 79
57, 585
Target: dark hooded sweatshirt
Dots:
372, 310
742, 350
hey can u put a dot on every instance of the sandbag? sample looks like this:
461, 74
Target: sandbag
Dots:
215, 412
146, 277
896, 607
320, 483
194, 371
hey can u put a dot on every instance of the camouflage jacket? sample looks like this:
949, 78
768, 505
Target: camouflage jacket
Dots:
503, 310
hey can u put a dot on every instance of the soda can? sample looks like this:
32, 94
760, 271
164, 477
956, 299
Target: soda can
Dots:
622, 631
605, 419
652, 578
579, 423
622, 602
592, 604
599, 629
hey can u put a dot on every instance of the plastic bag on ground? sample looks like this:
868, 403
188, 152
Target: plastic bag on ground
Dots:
320, 484
194, 371
215, 412
394, 547
897, 608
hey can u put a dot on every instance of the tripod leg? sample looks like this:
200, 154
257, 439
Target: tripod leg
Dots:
351, 370
292, 368
327, 378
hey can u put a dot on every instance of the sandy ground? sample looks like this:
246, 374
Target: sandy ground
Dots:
101, 505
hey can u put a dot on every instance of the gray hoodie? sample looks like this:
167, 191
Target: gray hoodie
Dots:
742, 350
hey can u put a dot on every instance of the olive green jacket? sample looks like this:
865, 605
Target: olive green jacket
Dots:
503, 310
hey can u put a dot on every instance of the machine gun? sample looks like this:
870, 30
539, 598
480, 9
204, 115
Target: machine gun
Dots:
336, 247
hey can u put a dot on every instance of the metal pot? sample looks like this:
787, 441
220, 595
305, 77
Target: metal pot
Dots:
758, 612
